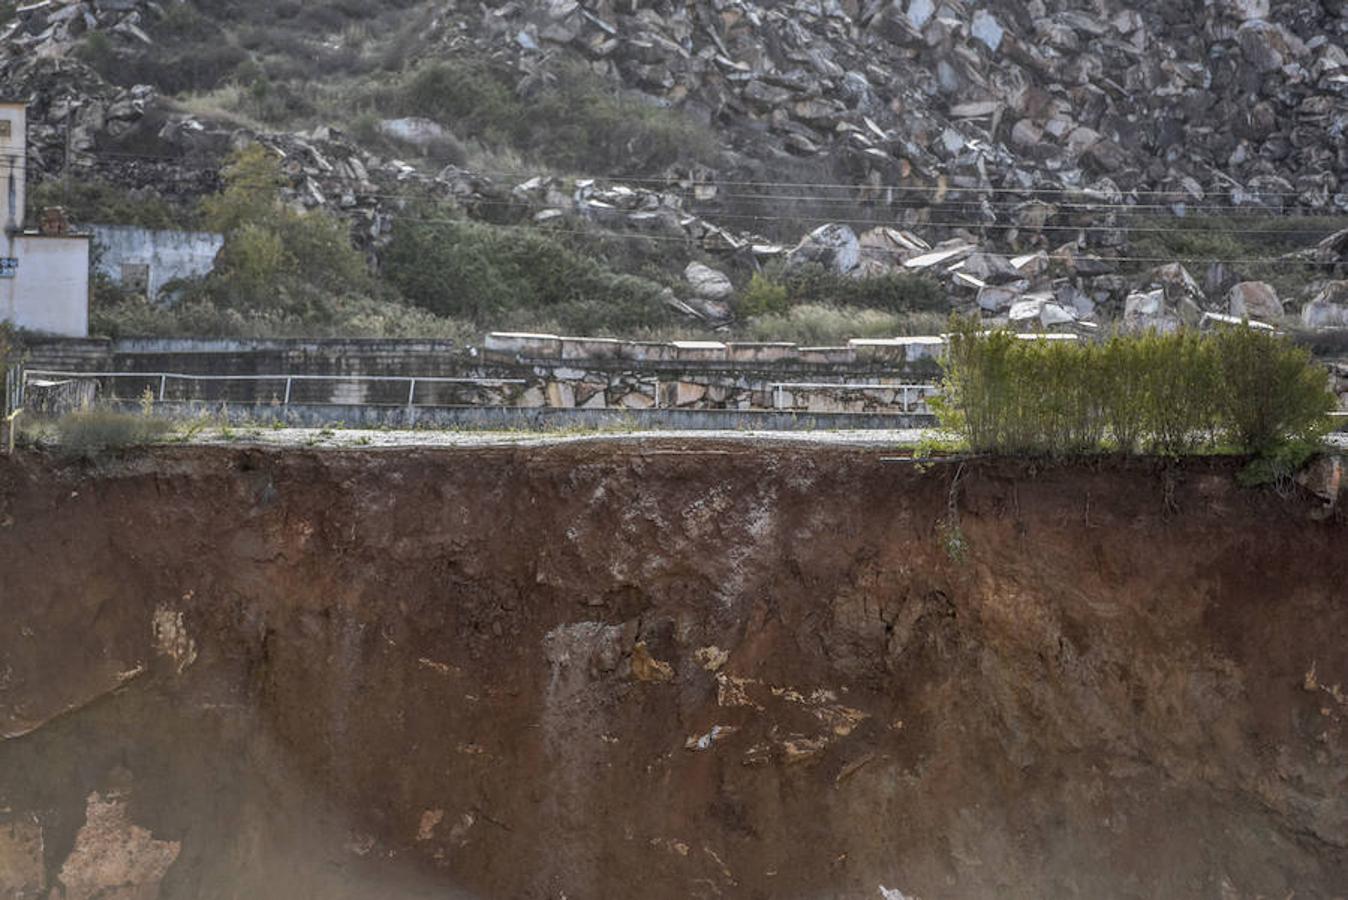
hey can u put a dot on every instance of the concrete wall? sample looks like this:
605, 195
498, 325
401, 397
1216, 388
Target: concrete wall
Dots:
525, 372
49, 292
13, 164
165, 255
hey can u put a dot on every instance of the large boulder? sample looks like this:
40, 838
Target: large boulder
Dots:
832, 246
991, 268
707, 283
1267, 46
1147, 311
997, 298
1043, 310
1329, 309
1254, 300
1184, 296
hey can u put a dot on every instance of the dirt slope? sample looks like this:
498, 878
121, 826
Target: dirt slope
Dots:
665, 670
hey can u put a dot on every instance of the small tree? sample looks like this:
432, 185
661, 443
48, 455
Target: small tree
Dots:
1272, 390
274, 254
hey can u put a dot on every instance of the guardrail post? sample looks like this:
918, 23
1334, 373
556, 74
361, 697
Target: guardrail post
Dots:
163, 384
12, 422
287, 399
411, 393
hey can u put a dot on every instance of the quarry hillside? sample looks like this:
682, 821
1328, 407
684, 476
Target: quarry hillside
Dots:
666, 668
805, 170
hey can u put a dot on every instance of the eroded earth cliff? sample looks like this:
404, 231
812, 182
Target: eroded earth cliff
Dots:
665, 669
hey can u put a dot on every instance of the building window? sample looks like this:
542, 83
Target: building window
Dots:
6, 128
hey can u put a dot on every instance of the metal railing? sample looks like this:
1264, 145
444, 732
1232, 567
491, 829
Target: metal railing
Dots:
780, 387
163, 379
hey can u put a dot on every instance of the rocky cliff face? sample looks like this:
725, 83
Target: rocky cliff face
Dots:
1062, 127
665, 670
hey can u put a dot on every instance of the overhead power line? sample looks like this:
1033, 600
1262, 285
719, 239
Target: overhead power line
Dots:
547, 229
668, 180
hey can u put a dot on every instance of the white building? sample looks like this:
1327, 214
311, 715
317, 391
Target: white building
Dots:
44, 273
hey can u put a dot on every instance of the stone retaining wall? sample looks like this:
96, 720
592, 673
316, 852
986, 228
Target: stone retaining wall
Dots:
521, 370
531, 371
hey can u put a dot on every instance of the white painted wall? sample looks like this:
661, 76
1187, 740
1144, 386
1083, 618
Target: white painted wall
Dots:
13, 159
50, 290
170, 255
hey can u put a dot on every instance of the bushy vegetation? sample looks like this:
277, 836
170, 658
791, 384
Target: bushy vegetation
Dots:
94, 202
9, 349
201, 65
347, 316
571, 119
508, 277
1167, 394
273, 253
280, 273
777, 291
89, 432
823, 325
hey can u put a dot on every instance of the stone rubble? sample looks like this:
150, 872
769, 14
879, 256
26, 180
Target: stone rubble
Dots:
1006, 143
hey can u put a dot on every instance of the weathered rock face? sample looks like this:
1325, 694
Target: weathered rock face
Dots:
834, 247
708, 283
1150, 310
113, 859
506, 673
1329, 309
1254, 300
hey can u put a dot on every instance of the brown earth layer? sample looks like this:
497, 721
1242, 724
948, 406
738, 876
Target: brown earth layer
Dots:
666, 669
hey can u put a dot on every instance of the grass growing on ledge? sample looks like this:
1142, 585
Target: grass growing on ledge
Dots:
92, 432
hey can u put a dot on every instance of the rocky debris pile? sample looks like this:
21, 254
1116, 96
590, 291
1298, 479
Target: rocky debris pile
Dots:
1239, 103
45, 27
1005, 146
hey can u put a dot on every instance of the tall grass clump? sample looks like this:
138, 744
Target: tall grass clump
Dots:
1167, 394
90, 432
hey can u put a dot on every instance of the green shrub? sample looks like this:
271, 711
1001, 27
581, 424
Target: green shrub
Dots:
497, 276
1168, 394
93, 202
1271, 390
9, 349
321, 316
571, 118
1183, 387
812, 324
818, 286
89, 432
763, 296
273, 253
891, 292
1277, 465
